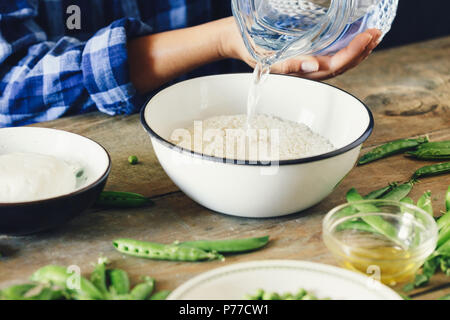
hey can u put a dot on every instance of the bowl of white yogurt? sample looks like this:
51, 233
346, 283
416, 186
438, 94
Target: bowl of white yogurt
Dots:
302, 140
47, 177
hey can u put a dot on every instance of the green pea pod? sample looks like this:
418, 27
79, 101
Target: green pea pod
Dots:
58, 275
161, 295
391, 148
143, 290
407, 200
119, 282
435, 145
425, 204
430, 266
16, 292
98, 276
31, 291
376, 222
117, 199
444, 236
271, 296
356, 225
444, 220
399, 192
430, 154
158, 251
443, 249
228, 246
376, 194
447, 200
432, 170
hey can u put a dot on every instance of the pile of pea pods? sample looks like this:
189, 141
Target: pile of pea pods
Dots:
56, 283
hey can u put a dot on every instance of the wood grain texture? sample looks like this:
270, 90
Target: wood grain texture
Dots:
407, 88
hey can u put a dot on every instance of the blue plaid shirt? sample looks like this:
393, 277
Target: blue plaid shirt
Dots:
48, 70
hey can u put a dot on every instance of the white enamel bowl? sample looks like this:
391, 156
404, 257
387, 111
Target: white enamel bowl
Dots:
20, 218
249, 189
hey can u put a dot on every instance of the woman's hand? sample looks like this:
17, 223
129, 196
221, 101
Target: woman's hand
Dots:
316, 68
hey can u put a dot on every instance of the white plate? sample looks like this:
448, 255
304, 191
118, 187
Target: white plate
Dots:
234, 281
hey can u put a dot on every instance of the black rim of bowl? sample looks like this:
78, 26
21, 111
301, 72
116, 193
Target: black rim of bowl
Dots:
67, 195
319, 157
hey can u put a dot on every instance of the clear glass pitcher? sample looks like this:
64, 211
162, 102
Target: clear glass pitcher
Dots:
279, 29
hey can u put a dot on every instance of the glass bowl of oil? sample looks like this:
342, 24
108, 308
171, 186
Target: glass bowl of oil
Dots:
386, 240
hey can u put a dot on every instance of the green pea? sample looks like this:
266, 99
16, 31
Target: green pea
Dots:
161, 295
391, 148
143, 290
133, 160
257, 296
432, 170
58, 275
119, 282
158, 251
271, 296
118, 199
228, 246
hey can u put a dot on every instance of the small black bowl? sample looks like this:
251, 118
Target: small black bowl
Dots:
21, 218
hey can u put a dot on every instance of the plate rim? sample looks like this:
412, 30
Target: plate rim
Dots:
383, 291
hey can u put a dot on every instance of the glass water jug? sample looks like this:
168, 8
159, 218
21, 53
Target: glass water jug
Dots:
275, 30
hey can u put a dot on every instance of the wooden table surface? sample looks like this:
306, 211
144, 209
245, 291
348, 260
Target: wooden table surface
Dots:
408, 90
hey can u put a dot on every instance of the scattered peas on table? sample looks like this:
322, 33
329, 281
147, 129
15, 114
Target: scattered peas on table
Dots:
133, 160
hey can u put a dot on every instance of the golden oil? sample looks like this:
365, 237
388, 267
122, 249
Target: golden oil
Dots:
377, 257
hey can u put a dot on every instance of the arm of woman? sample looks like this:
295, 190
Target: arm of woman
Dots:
159, 58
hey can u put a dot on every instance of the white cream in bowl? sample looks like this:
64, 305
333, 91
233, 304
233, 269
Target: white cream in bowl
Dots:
32, 176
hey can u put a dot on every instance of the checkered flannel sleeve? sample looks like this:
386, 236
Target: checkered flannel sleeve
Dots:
42, 80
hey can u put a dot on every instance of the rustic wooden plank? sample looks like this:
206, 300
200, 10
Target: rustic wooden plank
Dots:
407, 88
176, 217
400, 85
